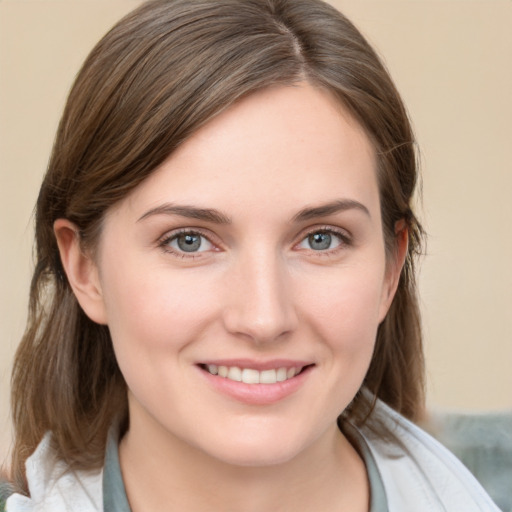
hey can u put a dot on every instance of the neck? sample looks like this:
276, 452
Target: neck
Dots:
163, 473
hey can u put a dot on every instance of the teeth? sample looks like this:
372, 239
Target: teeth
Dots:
281, 374
235, 373
251, 376
268, 377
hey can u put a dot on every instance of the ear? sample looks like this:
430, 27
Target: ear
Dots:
81, 270
394, 267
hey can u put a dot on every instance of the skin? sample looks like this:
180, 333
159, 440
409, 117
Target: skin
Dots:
258, 289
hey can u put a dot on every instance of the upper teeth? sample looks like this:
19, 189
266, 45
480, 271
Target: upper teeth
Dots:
250, 376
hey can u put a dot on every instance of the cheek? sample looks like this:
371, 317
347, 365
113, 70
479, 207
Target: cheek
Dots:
153, 318
345, 309
342, 314
154, 309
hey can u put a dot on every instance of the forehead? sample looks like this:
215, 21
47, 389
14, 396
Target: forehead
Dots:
277, 148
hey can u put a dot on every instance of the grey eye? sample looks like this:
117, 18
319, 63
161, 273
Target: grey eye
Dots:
320, 241
190, 242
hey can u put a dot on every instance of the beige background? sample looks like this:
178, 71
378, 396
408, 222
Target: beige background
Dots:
452, 61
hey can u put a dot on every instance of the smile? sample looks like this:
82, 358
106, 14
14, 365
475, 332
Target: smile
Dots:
256, 382
252, 376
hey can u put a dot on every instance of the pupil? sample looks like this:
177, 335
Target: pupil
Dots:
189, 243
320, 241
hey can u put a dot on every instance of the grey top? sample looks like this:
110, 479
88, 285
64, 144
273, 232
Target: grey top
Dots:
417, 472
114, 493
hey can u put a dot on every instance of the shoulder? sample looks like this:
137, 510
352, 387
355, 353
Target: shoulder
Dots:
417, 471
5, 492
53, 486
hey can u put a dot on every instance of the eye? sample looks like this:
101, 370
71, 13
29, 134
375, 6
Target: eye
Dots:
323, 240
187, 242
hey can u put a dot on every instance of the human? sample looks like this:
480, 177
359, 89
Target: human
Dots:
223, 313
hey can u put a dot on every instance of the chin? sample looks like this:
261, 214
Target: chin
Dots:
256, 458
253, 451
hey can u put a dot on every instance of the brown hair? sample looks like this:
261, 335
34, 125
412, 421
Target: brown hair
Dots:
162, 72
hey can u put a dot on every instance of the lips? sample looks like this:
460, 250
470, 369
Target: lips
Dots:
255, 382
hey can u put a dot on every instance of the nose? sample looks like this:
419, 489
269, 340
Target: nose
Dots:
260, 304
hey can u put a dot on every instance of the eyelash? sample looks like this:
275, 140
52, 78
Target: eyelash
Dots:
164, 243
344, 238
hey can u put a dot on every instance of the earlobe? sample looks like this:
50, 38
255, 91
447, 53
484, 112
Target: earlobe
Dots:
394, 266
81, 270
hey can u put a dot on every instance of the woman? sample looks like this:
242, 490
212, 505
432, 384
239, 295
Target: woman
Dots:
223, 313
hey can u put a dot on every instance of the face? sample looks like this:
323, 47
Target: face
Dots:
243, 282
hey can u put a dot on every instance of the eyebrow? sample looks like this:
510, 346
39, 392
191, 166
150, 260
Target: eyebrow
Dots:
217, 217
191, 212
331, 208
